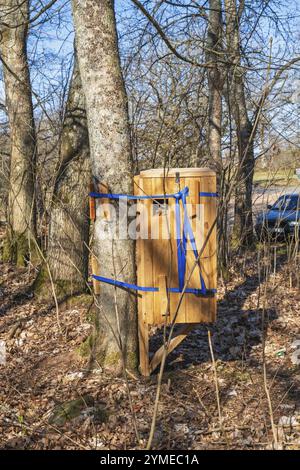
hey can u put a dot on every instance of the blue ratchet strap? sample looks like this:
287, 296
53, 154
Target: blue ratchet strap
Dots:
161, 196
205, 194
126, 285
189, 231
113, 282
181, 242
130, 197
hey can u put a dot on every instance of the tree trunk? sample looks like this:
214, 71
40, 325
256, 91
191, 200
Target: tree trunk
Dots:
67, 253
243, 223
215, 85
216, 76
111, 163
21, 206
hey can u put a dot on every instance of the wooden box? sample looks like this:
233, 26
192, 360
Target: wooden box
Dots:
156, 257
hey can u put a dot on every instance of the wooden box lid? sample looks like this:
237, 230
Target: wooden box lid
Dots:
171, 172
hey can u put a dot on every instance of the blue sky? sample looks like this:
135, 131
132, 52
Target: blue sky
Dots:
50, 49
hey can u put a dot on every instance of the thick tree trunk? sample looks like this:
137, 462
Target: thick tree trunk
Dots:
216, 76
111, 162
21, 208
67, 253
215, 85
243, 223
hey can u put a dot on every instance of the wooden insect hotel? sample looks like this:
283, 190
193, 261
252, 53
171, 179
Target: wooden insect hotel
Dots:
175, 253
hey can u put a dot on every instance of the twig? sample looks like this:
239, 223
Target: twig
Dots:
265, 380
215, 378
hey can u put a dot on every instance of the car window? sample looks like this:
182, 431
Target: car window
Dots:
286, 203
281, 204
294, 204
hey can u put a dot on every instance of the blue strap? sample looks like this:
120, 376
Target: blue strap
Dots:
189, 231
116, 283
181, 241
205, 194
150, 289
190, 290
181, 247
159, 196
130, 197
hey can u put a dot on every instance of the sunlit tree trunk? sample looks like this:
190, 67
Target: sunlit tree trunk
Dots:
111, 163
215, 84
67, 253
216, 77
243, 223
21, 213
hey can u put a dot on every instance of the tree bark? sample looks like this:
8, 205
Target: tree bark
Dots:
243, 222
21, 212
215, 85
67, 253
111, 163
216, 77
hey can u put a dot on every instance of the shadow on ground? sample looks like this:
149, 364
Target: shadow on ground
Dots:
236, 332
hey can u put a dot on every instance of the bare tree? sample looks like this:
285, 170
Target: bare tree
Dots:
21, 206
111, 163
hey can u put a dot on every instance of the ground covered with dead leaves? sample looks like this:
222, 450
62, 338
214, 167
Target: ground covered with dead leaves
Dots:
44, 376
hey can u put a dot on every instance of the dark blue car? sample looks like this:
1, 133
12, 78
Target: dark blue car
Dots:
281, 220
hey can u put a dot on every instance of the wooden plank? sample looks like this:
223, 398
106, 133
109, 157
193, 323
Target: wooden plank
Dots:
141, 252
160, 252
213, 274
171, 172
181, 317
136, 191
172, 187
193, 202
138, 253
209, 256
92, 204
208, 184
193, 310
166, 246
145, 267
172, 267
164, 304
181, 334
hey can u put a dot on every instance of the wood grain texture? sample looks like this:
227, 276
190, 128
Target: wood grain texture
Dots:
158, 255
